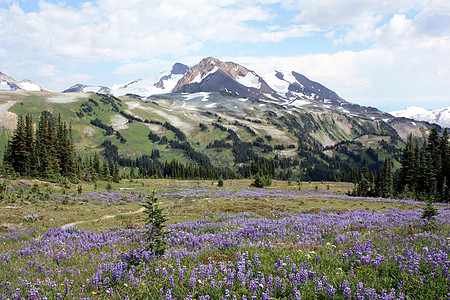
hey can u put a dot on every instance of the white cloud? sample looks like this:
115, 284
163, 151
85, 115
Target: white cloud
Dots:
381, 77
350, 21
124, 30
154, 66
409, 40
73, 79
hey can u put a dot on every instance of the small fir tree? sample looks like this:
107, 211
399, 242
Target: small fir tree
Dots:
156, 228
429, 212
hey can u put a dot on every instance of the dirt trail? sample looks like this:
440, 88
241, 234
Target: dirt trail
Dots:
8, 119
101, 218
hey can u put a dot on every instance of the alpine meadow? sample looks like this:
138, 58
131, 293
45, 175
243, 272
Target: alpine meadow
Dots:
216, 182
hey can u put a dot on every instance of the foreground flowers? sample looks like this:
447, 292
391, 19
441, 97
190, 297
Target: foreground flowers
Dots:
351, 255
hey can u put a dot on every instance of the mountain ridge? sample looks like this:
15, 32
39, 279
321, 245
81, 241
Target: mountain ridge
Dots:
438, 116
286, 88
9, 83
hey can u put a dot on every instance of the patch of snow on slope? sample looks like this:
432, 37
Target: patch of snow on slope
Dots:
200, 76
279, 85
203, 95
270, 96
4, 86
299, 103
91, 89
146, 87
411, 112
29, 86
249, 80
439, 116
344, 110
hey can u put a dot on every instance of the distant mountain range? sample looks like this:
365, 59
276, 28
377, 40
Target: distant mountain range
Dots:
9, 84
221, 114
286, 88
438, 116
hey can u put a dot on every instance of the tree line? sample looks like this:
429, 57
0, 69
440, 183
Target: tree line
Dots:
424, 173
46, 151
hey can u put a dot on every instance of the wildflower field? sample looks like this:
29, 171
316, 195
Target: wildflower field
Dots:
231, 242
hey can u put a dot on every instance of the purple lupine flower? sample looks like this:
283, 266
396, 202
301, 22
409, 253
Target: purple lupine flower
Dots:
331, 291
347, 292
168, 295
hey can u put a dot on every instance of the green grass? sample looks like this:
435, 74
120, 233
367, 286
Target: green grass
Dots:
53, 214
311, 242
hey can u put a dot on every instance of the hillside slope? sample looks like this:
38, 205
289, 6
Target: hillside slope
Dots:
219, 130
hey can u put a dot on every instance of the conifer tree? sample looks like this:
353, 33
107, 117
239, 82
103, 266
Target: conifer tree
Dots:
156, 228
384, 182
364, 185
444, 175
408, 170
17, 152
30, 146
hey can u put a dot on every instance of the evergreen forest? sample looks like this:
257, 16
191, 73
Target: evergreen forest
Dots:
45, 150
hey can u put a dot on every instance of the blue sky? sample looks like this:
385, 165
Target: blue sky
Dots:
387, 54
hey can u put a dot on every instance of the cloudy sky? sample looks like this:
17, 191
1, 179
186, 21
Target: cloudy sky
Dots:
387, 54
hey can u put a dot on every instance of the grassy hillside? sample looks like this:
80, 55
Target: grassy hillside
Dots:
228, 130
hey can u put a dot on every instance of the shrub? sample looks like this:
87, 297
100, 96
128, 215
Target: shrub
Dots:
261, 181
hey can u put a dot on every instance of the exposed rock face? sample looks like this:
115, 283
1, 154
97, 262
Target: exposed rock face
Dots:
314, 90
166, 82
212, 75
405, 127
179, 69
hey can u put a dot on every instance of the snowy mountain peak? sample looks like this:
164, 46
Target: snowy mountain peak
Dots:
9, 84
149, 86
31, 86
439, 116
213, 75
